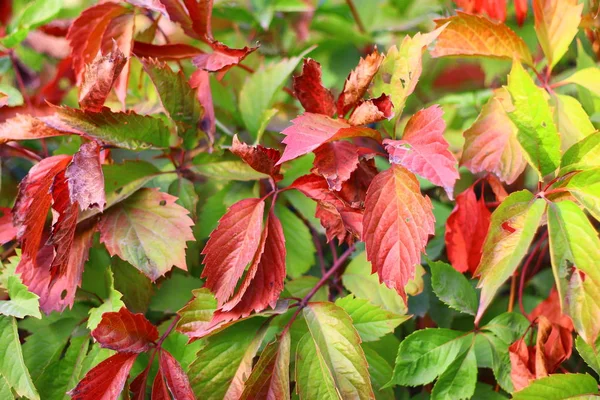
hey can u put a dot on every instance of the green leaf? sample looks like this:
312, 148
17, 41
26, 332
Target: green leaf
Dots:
582, 155
453, 288
558, 387
219, 369
15, 98
299, 245
186, 195
331, 353
588, 78
258, 93
33, 15
583, 306
301, 286
228, 171
508, 326
123, 129
12, 365
589, 354
22, 302
178, 99
136, 288
112, 304
199, 310
532, 115
381, 373
372, 322
501, 365
359, 280
458, 381
585, 187
426, 354
217, 204
174, 292
512, 228
590, 101
572, 121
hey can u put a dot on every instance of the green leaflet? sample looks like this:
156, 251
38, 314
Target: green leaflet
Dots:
332, 346
589, 354
136, 288
585, 187
228, 170
426, 354
226, 360
12, 366
359, 281
258, 93
512, 229
112, 304
572, 121
301, 286
178, 99
299, 244
186, 195
459, 380
582, 155
508, 326
123, 129
198, 310
532, 115
35, 14
558, 387
22, 302
453, 288
381, 373
583, 306
372, 322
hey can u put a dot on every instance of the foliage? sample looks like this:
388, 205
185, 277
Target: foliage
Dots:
363, 199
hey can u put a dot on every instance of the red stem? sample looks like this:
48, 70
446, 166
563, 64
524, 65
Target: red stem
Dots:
524, 270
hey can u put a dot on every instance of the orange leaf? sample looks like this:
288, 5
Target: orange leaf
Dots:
358, 81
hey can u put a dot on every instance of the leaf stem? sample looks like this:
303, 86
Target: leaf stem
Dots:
334, 268
524, 270
356, 17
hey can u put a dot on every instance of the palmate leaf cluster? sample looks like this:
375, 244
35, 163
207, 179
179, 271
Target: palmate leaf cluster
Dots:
299, 199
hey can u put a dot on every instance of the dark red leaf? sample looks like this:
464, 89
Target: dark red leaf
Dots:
176, 379
125, 332
159, 389
165, 52
309, 90
200, 80
354, 190
200, 12
336, 161
550, 309
99, 78
8, 231
138, 385
260, 158
85, 177
106, 380
222, 58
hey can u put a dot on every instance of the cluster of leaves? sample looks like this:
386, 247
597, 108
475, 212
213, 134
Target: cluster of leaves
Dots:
378, 250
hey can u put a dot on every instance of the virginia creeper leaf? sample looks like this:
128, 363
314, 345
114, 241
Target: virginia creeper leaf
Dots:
125, 332
559, 386
585, 187
358, 81
451, 287
458, 381
583, 306
309, 90
572, 121
85, 178
586, 78
335, 161
397, 223
198, 311
165, 52
588, 353
371, 111
222, 57
27, 127
261, 159
106, 380
176, 379
22, 302
149, 231
99, 78
299, 245
584, 154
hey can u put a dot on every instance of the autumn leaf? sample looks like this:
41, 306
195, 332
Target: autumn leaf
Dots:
466, 229
8, 231
125, 332
200, 81
148, 230
310, 92
335, 161
222, 58
85, 178
159, 388
491, 143
473, 35
397, 223
176, 379
424, 151
550, 308
99, 78
28, 127
358, 81
232, 246
556, 24
371, 111
309, 131
165, 52
260, 158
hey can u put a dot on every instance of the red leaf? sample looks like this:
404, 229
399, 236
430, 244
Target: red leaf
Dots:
106, 380
260, 158
200, 12
8, 231
522, 364
165, 52
521, 11
550, 309
200, 80
232, 246
98, 79
460, 77
358, 81
26, 127
159, 389
176, 379
222, 58
309, 90
264, 280
152, 5
397, 223
138, 385
374, 110
120, 31
424, 151
354, 190
85, 177
466, 230
125, 332
336, 161
309, 131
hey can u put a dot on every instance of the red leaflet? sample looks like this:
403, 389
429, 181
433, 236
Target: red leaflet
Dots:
165, 52
550, 309
232, 246
138, 385
354, 190
106, 380
521, 11
260, 158
495, 9
309, 131
466, 230
374, 110
200, 12
159, 389
397, 223
176, 379
460, 76
336, 161
8, 231
98, 79
200, 81
309, 90
341, 222
424, 151
222, 58
85, 177
125, 332
358, 81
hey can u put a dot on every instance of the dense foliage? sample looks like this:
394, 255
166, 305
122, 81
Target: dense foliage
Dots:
363, 199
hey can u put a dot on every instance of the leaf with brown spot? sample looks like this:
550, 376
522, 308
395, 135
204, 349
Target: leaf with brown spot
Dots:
358, 81
309, 90
99, 78
374, 110
85, 178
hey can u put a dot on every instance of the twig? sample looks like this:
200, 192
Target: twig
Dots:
524, 270
513, 289
319, 249
354, 12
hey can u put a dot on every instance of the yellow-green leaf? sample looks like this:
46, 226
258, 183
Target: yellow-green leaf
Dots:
572, 121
